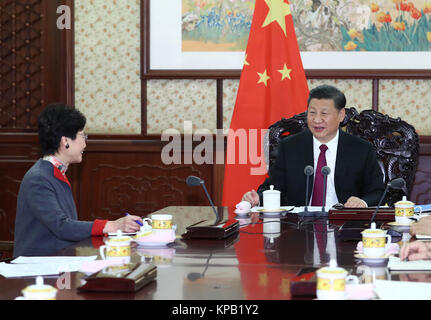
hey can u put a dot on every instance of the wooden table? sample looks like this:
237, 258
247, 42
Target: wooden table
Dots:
260, 262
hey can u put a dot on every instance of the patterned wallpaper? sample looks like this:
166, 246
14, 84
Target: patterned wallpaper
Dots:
107, 65
171, 102
408, 99
107, 81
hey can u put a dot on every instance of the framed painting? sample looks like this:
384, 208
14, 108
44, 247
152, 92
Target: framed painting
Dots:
345, 39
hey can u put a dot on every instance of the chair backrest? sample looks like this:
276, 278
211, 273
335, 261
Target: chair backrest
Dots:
396, 143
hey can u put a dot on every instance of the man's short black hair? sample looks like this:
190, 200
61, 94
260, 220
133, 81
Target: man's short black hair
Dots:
328, 92
56, 121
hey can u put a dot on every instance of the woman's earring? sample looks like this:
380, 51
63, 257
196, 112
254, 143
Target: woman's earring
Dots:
67, 146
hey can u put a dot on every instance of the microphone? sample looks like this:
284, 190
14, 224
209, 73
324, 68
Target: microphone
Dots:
308, 171
398, 183
325, 172
193, 181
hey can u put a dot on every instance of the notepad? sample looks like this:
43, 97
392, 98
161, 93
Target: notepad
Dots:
42, 266
423, 237
53, 259
29, 270
424, 207
402, 290
419, 265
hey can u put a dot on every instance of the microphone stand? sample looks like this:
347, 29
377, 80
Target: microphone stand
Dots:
324, 213
209, 198
380, 202
398, 183
325, 172
308, 171
307, 183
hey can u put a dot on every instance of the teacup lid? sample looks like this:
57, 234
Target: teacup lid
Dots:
161, 217
373, 229
271, 190
404, 202
119, 237
332, 268
145, 230
39, 287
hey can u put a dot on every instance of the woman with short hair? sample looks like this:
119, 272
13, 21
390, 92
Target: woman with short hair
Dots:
46, 216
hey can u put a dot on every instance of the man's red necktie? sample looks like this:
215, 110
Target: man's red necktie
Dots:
318, 178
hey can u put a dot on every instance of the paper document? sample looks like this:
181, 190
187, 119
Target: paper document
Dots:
419, 265
42, 266
423, 237
29, 270
56, 259
402, 290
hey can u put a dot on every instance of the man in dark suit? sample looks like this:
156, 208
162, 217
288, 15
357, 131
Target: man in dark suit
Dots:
355, 179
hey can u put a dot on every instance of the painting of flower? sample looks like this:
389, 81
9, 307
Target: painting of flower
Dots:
216, 25
362, 25
320, 25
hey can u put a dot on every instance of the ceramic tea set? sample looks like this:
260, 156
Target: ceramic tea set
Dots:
405, 215
376, 246
271, 204
331, 282
160, 233
38, 291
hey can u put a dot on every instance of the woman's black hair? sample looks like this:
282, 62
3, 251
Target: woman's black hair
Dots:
56, 121
328, 92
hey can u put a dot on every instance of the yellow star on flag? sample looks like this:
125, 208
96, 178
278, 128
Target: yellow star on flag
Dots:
263, 78
285, 73
278, 10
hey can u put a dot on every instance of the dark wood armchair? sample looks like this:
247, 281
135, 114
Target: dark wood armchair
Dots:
396, 143
6, 250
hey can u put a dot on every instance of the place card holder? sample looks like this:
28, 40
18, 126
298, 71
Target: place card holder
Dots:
141, 275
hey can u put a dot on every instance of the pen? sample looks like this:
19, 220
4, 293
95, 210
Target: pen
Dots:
137, 221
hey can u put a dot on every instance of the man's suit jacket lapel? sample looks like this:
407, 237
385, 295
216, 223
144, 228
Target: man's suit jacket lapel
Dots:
309, 160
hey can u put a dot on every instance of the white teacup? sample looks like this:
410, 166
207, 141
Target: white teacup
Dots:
374, 241
331, 282
271, 199
161, 221
38, 291
404, 210
117, 248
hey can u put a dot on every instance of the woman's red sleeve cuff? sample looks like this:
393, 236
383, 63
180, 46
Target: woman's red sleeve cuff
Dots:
98, 227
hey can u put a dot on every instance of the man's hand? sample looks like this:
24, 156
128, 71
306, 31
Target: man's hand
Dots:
251, 197
125, 224
416, 250
355, 202
423, 226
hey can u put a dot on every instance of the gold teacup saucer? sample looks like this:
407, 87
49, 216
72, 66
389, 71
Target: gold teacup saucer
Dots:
271, 210
397, 224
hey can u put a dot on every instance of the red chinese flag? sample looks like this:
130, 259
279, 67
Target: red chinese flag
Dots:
272, 86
